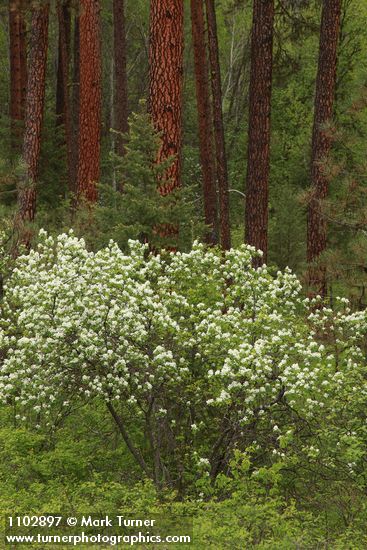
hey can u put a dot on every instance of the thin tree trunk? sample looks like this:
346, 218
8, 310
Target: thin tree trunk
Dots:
18, 70
112, 110
63, 107
90, 100
34, 115
165, 91
75, 105
222, 171
64, 20
120, 108
258, 157
130, 445
204, 120
321, 141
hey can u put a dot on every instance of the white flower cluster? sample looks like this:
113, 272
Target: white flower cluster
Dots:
198, 331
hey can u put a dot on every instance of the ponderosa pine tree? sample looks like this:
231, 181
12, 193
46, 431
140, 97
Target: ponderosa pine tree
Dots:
219, 139
321, 141
258, 156
90, 98
63, 106
64, 22
18, 69
120, 107
75, 103
34, 114
165, 86
204, 110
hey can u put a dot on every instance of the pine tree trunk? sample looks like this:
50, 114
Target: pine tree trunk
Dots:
90, 99
75, 106
18, 70
222, 172
63, 107
258, 158
120, 96
165, 92
204, 120
34, 113
321, 141
64, 20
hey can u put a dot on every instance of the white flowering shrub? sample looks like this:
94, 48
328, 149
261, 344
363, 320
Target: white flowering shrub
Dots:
194, 354
6, 260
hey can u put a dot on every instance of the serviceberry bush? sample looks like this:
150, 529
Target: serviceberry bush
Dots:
195, 355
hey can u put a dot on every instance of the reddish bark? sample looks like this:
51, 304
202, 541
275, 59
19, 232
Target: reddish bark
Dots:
204, 120
165, 91
34, 112
90, 98
222, 171
321, 141
258, 158
120, 75
18, 69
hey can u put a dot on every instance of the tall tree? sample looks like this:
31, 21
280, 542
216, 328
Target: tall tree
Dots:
63, 106
221, 164
18, 68
204, 119
64, 21
258, 156
90, 98
321, 141
120, 95
75, 104
165, 86
34, 112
